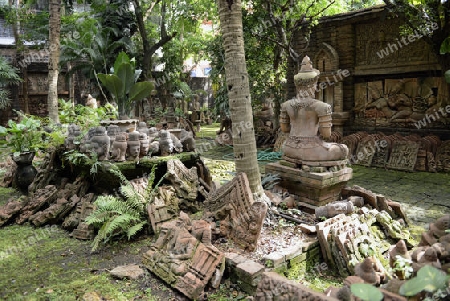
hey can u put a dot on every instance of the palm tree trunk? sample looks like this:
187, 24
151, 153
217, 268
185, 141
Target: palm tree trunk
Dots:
53, 70
244, 143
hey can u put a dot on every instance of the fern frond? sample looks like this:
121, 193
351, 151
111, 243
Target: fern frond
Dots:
120, 222
135, 229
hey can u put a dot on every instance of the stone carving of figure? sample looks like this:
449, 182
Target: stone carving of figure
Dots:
91, 102
303, 117
112, 130
119, 148
145, 144
134, 146
152, 133
187, 140
166, 146
100, 143
142, 128
74, 132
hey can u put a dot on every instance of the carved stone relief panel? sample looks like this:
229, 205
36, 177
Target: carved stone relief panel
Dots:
403, 155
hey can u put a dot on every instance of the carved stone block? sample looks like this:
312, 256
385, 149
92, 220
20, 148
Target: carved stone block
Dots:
240, 218
276, 287
184, 180
403, 155
163, 208
316, 188
181, 260
443, 157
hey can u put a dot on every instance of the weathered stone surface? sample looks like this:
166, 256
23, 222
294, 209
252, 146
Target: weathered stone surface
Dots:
181, 260
403, 155
83, 230
132, 271
55, 212
184, 180
10, 209
346, 240
248, 275
369, 197
273, 286
312, 187
77, 215
40, 198
443, 157
165, 207
66, 199
240, 218
365, 150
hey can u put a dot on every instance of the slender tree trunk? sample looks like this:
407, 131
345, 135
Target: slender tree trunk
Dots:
53, 70
244, 143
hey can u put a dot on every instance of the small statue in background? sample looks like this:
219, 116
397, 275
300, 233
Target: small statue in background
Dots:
166, 146
119, 148
100, 143
144, 144
134, 146
91, 102
74, 131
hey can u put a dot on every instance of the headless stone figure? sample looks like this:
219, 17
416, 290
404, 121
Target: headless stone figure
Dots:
303, 117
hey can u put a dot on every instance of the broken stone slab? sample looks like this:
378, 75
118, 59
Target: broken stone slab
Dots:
273, 286
10, 209
77, 215
307, 229
233, 259
83, 230
131, 271
179, 259
41, 198
55, 212
240, 217
184, 180
163, 208
369, 197
274, 260
249, 274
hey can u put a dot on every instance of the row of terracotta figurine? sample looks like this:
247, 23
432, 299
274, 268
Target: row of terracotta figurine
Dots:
113, 144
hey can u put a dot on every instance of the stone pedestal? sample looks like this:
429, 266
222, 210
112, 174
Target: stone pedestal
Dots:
317, 185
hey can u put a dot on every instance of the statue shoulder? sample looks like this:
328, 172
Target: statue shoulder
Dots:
322, 108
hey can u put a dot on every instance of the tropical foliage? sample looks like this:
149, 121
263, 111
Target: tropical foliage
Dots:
123, 84
8, 76
120, 215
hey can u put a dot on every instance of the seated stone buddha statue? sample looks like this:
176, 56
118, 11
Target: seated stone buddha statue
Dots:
304, 118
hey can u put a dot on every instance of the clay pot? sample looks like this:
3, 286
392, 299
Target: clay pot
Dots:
25, 172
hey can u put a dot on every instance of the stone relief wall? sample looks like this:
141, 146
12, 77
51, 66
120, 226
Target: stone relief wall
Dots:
406, 102
385, 34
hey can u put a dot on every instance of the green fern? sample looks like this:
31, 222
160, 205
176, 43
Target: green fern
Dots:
121, 215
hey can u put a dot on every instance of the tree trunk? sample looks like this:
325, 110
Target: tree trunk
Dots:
244, 143
54, 48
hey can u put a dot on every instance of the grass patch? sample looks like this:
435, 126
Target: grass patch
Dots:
208, 131
46, 264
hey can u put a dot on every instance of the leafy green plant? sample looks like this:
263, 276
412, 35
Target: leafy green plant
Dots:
22, 136
84, 116
428, 279
366, 292
403, 267
123, 84
119, 216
